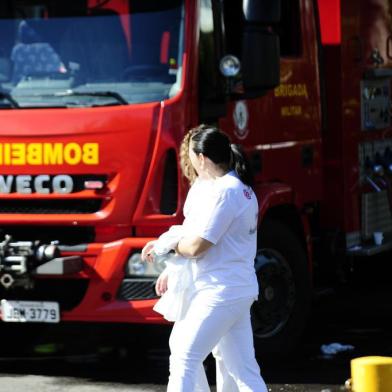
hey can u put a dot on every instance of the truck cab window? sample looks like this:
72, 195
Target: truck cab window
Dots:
289, 29
90, 53
211, 84
208, 53
234, 24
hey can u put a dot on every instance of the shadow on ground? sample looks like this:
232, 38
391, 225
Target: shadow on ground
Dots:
357, 313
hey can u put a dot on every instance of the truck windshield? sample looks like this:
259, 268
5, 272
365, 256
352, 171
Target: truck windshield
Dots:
89, 52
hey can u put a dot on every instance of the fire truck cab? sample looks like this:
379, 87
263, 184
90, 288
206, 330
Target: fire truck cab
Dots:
95, 98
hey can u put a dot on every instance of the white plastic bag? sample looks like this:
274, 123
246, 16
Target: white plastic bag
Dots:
175, 301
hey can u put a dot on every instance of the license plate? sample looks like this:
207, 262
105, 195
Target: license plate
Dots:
30, 311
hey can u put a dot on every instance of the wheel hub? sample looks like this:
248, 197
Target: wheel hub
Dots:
269, 293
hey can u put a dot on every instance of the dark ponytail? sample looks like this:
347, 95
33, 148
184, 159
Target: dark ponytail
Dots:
215, 145
241, 165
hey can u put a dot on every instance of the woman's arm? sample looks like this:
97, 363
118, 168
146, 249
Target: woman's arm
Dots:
168, 240
193, 246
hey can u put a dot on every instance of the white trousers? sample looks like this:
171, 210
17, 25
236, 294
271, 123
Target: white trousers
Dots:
225, 330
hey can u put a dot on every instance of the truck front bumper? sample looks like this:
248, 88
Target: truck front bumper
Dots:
102, 274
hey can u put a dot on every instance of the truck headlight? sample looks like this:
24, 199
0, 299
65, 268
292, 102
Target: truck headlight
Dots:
136, 267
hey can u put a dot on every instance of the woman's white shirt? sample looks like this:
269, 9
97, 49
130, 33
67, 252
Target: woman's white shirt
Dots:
224, 211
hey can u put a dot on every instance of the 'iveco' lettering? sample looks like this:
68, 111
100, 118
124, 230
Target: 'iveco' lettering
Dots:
49, 154
43, 184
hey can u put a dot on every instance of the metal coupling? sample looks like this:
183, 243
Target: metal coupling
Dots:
7, 280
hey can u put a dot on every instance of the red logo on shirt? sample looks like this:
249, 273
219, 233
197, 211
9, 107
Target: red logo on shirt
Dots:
247, 194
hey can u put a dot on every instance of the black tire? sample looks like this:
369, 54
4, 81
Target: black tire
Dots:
280, 315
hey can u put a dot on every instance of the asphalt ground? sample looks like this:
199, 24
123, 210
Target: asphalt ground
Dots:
135, 358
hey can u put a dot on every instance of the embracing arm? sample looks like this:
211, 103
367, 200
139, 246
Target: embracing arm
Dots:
192, 246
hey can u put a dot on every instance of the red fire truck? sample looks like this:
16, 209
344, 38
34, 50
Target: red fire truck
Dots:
95, 97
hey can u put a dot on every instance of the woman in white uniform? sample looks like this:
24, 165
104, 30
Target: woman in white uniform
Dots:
222, 249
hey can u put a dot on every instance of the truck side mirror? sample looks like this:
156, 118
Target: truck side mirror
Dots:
260, 60
262, 11
260, 47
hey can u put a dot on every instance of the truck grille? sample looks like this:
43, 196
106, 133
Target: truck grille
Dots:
68, 206
74, 235
132, 289
67, 292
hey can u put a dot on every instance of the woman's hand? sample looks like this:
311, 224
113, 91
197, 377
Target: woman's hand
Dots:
148, 252
161, 284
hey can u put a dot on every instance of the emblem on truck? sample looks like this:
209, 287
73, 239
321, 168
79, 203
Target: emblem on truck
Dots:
241, 118
43, 184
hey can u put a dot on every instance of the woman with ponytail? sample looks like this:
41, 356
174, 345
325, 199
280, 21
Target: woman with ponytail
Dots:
219, 243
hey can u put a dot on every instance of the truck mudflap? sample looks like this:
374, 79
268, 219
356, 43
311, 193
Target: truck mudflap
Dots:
89, 283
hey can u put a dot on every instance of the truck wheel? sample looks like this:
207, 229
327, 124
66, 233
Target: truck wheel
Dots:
280, 314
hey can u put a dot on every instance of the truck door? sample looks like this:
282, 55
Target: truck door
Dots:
281, 131
288, 117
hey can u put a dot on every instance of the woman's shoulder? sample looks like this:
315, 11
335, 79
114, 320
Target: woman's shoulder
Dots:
231, 187
230, 184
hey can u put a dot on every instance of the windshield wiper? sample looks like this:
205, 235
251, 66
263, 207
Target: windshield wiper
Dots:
111, 94
8, 97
